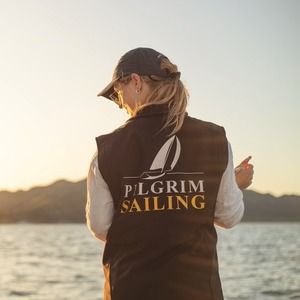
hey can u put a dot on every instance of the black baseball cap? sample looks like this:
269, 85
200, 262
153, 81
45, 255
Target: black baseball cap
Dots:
142, 61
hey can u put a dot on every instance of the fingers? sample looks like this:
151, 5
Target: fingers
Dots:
240, 168
246, 160
248, 167
244, 164
244, 177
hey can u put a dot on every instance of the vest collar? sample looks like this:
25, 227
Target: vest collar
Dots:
151, 110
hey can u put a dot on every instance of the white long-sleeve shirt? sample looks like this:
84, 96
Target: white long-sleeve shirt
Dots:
100, 209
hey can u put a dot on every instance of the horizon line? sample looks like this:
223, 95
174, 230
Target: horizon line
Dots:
85, 178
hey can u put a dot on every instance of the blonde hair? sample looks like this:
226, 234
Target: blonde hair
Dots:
170, 91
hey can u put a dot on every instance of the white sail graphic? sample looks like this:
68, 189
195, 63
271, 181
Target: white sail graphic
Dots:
165, 159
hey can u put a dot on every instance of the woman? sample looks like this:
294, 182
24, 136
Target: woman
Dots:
158, 184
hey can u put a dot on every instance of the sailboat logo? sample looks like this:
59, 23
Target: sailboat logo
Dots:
165, 159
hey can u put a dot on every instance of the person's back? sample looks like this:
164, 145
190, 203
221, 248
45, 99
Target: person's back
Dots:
162, 242
164, 187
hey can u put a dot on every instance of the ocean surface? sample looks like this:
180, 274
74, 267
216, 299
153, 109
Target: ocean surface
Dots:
258, 261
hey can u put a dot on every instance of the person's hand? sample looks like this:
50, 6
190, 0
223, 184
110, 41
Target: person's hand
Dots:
244, 173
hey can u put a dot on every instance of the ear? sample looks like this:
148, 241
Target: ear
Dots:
137, 80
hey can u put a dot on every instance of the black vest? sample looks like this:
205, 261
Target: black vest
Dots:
162, 241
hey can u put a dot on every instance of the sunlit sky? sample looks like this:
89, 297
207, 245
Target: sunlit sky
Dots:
239, 59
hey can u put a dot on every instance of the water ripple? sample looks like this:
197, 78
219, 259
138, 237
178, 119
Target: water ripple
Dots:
257, 261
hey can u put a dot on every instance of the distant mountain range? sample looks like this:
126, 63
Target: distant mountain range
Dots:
64, 202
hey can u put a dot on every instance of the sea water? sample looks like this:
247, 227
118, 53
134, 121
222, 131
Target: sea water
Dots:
257, 261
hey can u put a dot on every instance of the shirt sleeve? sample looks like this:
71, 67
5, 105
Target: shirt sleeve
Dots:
230, 205
99, 206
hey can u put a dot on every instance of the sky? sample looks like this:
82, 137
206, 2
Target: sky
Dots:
240, 61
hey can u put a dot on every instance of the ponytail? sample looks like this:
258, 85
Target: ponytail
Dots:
170, 91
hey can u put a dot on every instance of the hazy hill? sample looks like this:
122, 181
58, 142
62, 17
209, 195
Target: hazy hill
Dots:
265, 207
64, 201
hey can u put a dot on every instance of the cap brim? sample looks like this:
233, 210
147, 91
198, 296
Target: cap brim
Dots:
107, 91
